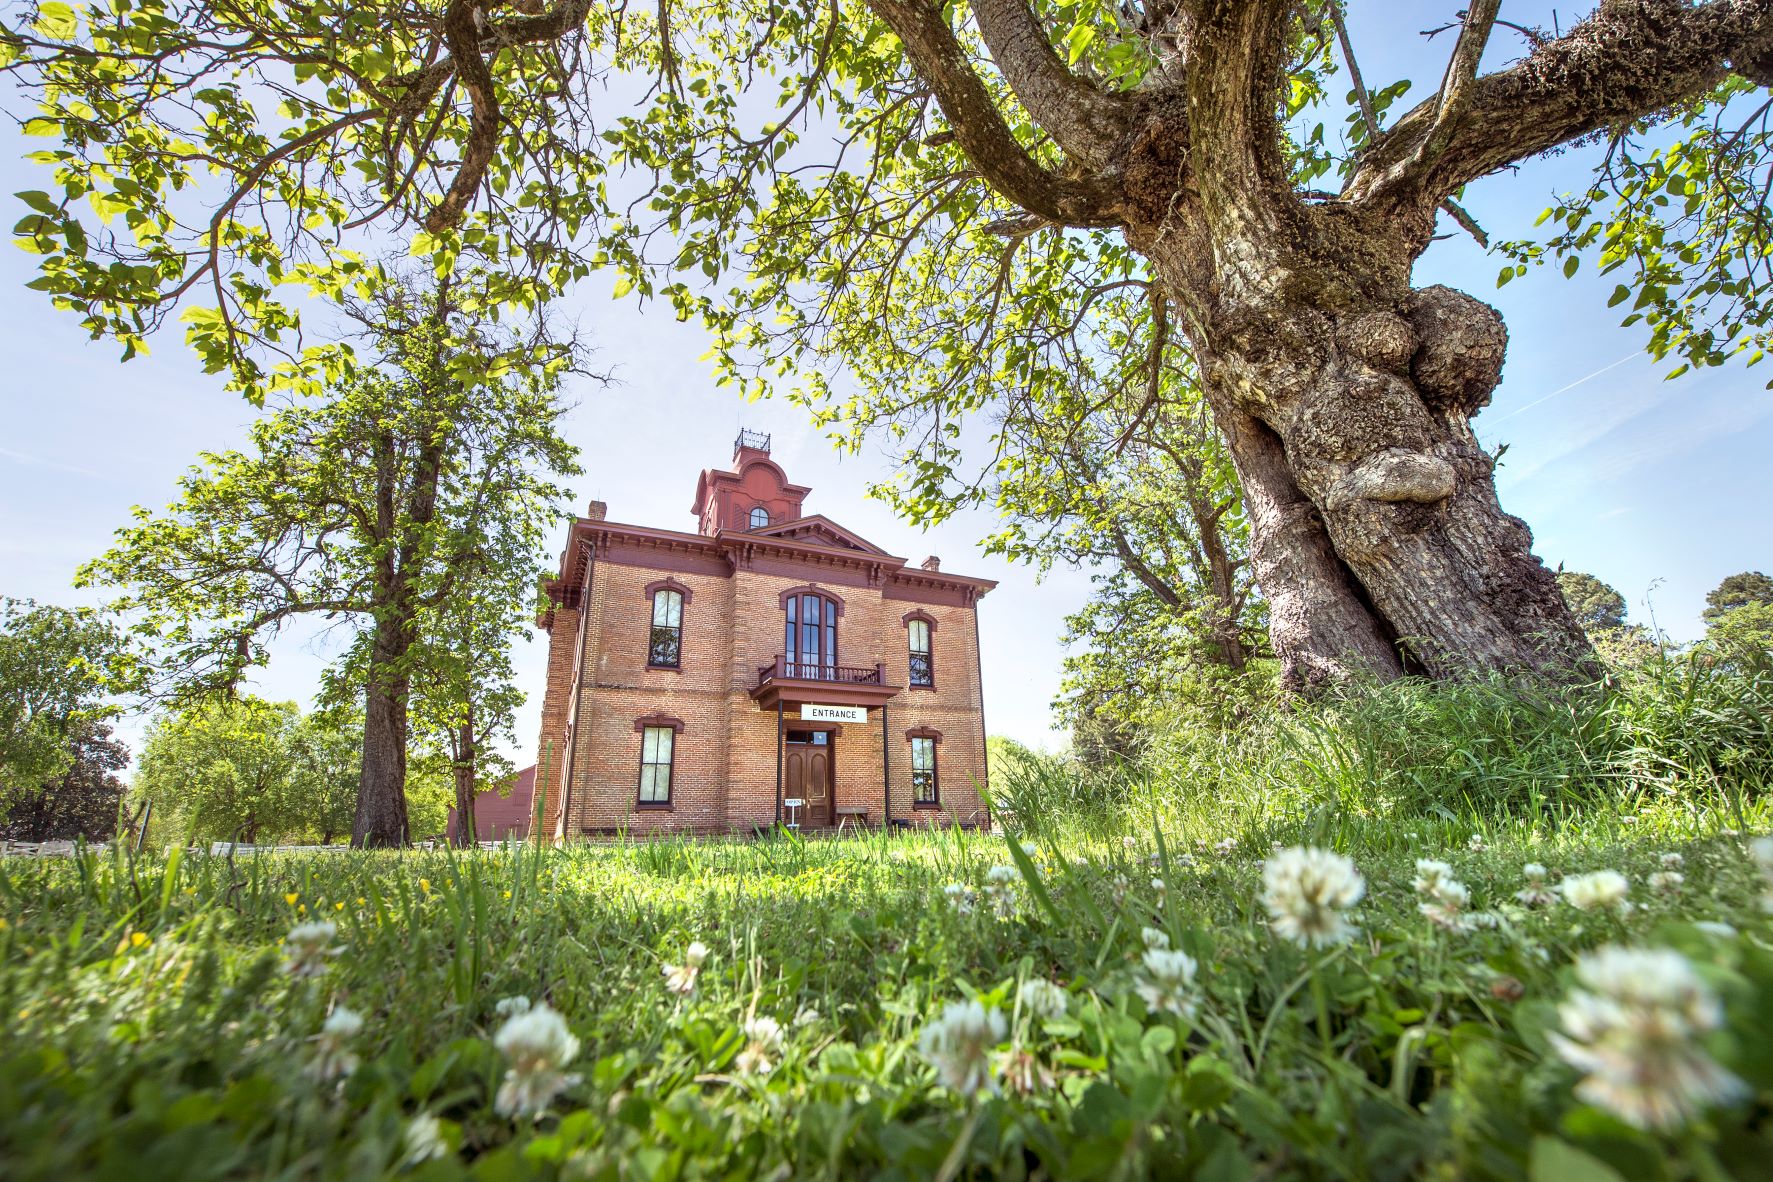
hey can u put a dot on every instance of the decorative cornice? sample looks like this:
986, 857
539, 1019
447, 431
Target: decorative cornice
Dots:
641, 723
668, 584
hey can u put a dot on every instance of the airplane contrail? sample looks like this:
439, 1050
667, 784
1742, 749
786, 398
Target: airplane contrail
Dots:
1561, 389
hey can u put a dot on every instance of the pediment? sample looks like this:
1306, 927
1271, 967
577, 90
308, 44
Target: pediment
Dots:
819, 530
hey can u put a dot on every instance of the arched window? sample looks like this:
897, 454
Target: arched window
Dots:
917, 639
664, 648
760, 517
810, 634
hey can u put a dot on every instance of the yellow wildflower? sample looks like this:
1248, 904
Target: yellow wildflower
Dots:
291, 898
137, 939
425, 885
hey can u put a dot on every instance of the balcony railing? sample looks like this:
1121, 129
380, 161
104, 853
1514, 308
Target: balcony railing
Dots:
813, 671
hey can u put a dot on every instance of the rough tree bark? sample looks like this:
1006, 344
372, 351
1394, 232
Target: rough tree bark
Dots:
466, 834
1345, 394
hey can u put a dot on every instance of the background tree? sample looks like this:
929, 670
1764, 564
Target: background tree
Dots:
1002, 167
224, 770
326, 748
80, 802
1739, 612
56, 667
411, 488
1596, 606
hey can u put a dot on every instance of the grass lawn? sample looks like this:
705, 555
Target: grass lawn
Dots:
156, 1028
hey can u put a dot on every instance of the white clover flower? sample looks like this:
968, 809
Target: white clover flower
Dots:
1633, 1028
1477, 844
1023, 1073
1167, 981
1429, 875
1629, 819
1666, 882
763, 1038
1157, 884
1761, 850
961, 897
1306, 891
1712, 927
1598, 889
1001, 877
806, 1015
1032, 850
1118, 886
537, 1044
1154, 937
510, 1007
1537, 892
1043, 999
1129, 843
332, 1046
308, 946
681, 978
1445, 905
1226, 845
1672, 861
424, 1139
959, 1043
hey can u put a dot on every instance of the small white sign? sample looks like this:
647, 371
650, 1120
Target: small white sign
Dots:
811, 713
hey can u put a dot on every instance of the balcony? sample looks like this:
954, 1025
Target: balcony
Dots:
793, 683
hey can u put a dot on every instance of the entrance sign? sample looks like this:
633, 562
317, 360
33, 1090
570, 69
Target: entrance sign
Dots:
811, 713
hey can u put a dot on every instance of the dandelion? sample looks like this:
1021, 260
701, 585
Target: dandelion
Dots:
1666, 882
1537, 892
681, 978
291, 898
958, 1043
1167, 981
1633, 1027
1306, 891
424, 1139
1601, 889
309, 945
763, 1038
1043, 999
332, 1053
537, 1044
1672, 861
1154, 937
510, 1007
1023, 1073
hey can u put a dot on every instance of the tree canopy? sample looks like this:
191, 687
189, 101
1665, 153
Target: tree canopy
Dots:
57, 668
1597, 607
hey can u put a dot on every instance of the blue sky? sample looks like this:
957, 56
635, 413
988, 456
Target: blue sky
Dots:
1646, 483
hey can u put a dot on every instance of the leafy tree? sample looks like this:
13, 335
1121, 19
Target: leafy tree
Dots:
1003, 167
1739, 612
1737, 591
82, 801
56, 666
421, 485
224, 770
326, 748
204, 155
1596, 606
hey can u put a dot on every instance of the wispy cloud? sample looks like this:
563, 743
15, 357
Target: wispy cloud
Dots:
19, 457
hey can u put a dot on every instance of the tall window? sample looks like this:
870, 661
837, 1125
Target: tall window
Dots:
810, 636
655, 764
923, 770
760, 517
923, 667
665, 643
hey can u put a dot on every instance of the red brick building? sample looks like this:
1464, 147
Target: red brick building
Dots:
698, 681
503, 811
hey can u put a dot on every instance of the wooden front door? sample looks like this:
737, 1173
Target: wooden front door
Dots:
807, 776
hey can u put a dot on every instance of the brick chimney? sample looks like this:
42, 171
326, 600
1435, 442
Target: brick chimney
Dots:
596, 511
932, 563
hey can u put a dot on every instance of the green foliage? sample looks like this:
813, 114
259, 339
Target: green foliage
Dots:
1596, 606
57, 667
205, 159
1737, 591
83, 800
1677, 210
1739, 614
248, 770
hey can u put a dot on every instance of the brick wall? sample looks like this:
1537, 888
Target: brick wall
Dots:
724, 767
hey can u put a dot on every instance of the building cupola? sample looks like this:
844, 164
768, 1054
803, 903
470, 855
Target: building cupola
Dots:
755, 495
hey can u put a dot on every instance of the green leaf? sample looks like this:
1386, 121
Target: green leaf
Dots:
1559, 1161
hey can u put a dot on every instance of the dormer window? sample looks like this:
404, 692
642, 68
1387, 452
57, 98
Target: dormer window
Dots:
760, 517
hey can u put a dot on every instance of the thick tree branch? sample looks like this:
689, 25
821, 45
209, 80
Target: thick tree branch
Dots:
1088, 123
979, 126
1631, 59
